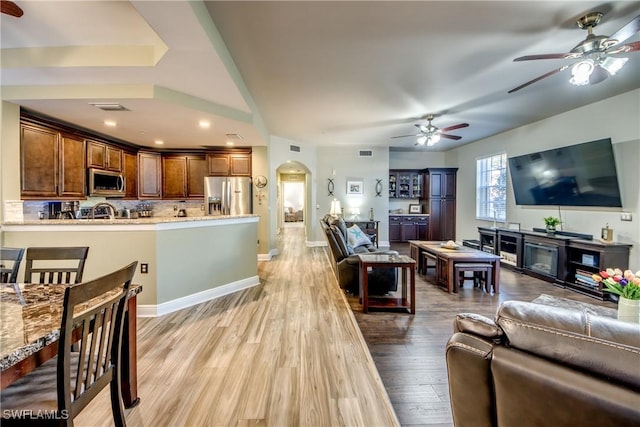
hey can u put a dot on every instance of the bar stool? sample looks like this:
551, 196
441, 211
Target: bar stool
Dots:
482, 275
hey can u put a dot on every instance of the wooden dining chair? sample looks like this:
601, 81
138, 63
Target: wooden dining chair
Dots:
58, 390
55, 264
10, 264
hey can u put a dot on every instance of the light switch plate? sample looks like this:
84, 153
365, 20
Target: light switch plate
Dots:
625, 216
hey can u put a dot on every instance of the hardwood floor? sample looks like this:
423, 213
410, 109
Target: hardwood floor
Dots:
409, 350
285, 353
289, 353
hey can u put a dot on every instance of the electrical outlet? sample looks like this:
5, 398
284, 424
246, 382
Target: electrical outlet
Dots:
625, 216
144, 268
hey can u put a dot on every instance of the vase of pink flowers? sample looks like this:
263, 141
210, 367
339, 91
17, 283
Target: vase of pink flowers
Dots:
626, 285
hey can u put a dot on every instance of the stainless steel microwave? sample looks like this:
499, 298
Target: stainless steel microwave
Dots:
106, 183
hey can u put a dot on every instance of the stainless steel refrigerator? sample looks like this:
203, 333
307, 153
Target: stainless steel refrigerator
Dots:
228, 195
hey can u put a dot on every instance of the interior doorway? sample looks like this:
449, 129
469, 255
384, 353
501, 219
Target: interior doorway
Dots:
293, 198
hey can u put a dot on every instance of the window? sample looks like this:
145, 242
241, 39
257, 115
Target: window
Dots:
491, 186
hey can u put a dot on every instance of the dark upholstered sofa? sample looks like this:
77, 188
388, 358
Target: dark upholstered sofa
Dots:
538, 365
345, 261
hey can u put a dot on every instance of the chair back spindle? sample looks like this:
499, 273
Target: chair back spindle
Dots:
59, 265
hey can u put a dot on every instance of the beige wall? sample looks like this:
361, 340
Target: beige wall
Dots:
617, 118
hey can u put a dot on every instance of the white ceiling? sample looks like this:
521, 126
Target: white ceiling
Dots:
329, 73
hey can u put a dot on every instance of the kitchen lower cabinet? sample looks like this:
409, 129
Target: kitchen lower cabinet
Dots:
403, 228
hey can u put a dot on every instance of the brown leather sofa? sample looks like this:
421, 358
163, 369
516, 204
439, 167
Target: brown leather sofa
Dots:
346, 264
538, 365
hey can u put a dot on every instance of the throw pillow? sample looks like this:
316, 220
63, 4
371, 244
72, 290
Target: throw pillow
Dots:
356, 237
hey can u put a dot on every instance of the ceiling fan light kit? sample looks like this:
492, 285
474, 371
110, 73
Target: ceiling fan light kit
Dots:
596, 64
431, 135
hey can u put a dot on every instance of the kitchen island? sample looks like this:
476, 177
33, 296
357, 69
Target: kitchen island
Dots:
188, 260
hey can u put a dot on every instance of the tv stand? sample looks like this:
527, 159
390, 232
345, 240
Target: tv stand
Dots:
577, 256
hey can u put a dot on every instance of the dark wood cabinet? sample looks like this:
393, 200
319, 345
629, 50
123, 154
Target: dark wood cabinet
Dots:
52, 165
104, 156
183, 176
130, 172
149, 175
422, 227
403, 228
440, 197
229, 164
405, 184
394, 229
73, 171
586, 257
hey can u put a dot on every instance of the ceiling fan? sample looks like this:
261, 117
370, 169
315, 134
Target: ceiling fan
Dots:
430, 134
10, 8
594, 52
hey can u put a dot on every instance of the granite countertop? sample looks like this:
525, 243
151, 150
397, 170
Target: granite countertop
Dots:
407, 214
31, 317
121, 221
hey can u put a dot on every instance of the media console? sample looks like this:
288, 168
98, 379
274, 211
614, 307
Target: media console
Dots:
564, 258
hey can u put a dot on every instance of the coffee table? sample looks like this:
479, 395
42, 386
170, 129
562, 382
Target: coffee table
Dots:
406, 268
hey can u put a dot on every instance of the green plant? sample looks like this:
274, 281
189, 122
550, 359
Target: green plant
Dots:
552, 221
626, 284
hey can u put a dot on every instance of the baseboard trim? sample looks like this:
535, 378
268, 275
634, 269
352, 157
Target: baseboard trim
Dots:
268, 256
150, 310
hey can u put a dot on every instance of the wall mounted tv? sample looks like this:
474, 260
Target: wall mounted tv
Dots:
577, 175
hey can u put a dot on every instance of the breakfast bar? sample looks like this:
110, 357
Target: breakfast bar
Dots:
182, 261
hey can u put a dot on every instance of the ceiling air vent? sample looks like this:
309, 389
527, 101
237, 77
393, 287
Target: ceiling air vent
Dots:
109, 107
365, 153
234, 137
294, 148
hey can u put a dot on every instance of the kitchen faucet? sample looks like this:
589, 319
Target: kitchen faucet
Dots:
112, 208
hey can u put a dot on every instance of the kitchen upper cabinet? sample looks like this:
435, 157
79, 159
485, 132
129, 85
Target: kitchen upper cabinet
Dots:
73, 170
104, 156
229, 164
183, 176
441, 182
149, 175
130, 172
405, 184
52, 165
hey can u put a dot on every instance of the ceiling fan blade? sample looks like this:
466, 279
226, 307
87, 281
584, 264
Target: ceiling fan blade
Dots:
10, 8
546, 56
537, 79
627, 31
454, 127
629, 47
454, 137
405, 136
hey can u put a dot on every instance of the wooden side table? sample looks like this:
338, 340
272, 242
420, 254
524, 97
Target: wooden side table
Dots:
406, 267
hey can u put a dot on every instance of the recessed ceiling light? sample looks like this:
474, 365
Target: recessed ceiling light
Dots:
230, 143
110, 123
204, 124
158, 142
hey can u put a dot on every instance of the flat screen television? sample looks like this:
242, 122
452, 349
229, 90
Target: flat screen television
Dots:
577, 175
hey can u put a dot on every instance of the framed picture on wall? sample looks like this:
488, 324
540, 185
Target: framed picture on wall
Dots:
415, 209
355, 187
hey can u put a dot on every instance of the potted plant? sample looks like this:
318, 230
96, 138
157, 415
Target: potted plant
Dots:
627, 286
550, 223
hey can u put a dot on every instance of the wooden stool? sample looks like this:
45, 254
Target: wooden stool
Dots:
482, 272
426, 257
